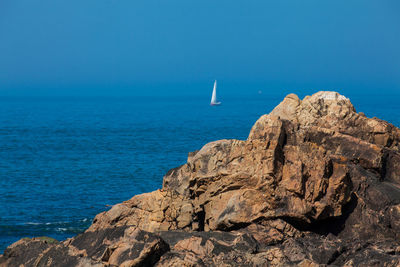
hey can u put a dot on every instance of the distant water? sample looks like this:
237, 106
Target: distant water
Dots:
63, 160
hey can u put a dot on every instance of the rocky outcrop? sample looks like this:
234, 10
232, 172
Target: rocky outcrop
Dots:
315, 183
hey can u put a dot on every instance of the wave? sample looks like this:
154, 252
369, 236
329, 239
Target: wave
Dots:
59, 230
84, 220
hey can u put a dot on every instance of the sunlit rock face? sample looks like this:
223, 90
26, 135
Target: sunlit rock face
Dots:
314, 183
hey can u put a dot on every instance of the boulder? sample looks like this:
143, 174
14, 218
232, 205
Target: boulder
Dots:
113, 246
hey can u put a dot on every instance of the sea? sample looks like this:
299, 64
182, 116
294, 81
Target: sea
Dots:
65, 159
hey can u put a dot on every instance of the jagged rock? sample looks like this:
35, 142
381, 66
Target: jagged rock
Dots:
300, 168
315, 184
208, 249
156, 211
117, 246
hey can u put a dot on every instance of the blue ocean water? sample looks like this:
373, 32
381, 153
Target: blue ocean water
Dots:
65, 159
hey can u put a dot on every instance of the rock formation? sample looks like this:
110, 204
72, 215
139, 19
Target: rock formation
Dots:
314, 184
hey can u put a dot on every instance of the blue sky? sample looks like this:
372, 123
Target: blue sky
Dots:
122, 47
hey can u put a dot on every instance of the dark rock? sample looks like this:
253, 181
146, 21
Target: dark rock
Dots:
118, 246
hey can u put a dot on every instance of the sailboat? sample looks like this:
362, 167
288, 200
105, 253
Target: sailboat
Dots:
214, 101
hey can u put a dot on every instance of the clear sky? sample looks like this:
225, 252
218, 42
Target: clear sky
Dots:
129, 46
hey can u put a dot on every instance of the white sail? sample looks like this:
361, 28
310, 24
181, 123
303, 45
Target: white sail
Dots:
214, 95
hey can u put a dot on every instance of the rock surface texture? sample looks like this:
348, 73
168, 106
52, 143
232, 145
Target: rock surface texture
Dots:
315, 184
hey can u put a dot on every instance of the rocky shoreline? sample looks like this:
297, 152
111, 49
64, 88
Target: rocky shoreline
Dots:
315, 184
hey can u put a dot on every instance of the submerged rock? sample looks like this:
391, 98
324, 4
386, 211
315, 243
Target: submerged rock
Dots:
315, 183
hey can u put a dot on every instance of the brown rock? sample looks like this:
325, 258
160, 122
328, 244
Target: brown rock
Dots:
155, 211
309, 163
